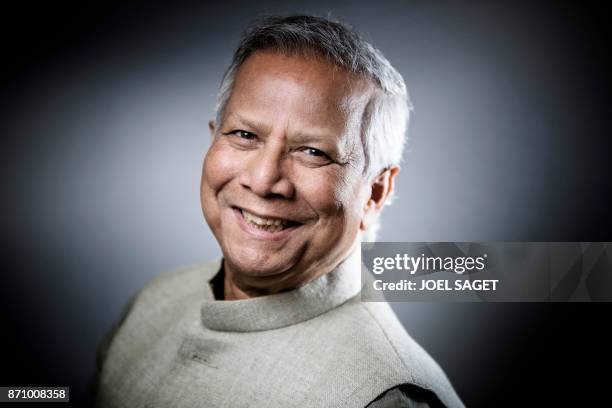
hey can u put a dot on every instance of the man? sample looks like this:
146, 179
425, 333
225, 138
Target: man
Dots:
305, 149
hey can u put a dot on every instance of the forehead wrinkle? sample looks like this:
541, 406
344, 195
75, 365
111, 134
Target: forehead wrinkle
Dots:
264, 109
293, 72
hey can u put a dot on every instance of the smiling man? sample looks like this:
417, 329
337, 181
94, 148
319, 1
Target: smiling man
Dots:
285, 171
305, 149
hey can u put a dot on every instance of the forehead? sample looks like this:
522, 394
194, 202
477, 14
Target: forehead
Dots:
298, 90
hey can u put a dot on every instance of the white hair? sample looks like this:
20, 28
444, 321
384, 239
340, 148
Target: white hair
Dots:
386, 117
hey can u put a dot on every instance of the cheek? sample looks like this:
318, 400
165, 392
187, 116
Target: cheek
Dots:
337, 196
219, 168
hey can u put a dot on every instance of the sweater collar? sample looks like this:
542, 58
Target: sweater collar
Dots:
284, 309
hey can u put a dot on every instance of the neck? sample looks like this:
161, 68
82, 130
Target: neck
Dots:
233, 292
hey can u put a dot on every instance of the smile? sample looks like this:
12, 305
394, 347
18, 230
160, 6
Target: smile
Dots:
267, 224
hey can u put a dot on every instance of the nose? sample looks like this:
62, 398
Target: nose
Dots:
267, 173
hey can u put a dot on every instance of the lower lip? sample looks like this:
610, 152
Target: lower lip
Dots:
260, 233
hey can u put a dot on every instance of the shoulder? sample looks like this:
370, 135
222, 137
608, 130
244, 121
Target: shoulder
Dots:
162, 303
169, 287
184, 278
404, 361
421, 367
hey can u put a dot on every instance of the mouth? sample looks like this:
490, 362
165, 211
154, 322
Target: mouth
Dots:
265, 224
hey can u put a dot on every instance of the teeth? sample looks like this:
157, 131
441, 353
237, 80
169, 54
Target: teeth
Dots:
263, 223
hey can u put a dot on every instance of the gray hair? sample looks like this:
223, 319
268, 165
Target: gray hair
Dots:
387, 114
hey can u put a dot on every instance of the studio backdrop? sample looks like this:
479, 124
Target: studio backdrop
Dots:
105, 126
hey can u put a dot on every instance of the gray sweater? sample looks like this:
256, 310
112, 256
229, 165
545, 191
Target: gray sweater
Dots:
315, 346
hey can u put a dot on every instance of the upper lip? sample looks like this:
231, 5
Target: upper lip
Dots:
269, 216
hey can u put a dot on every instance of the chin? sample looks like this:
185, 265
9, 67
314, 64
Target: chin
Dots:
250, 262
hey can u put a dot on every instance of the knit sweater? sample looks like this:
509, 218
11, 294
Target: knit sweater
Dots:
316, 346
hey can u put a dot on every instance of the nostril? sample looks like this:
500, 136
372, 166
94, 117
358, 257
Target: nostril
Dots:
273, 196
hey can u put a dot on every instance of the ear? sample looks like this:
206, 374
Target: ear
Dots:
381, 188
211, 127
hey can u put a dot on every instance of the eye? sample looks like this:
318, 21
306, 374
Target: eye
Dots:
314, 157
311, 151
242, 134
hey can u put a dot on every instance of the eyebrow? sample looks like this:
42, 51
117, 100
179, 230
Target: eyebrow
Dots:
252, 123
299, 137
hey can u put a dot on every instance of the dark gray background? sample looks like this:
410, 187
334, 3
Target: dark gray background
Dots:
104, 113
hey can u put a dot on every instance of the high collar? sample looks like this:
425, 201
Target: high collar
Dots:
287, 308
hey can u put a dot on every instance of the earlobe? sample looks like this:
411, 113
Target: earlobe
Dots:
369, 213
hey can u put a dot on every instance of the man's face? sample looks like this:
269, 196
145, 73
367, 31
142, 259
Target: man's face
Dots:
282, 185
